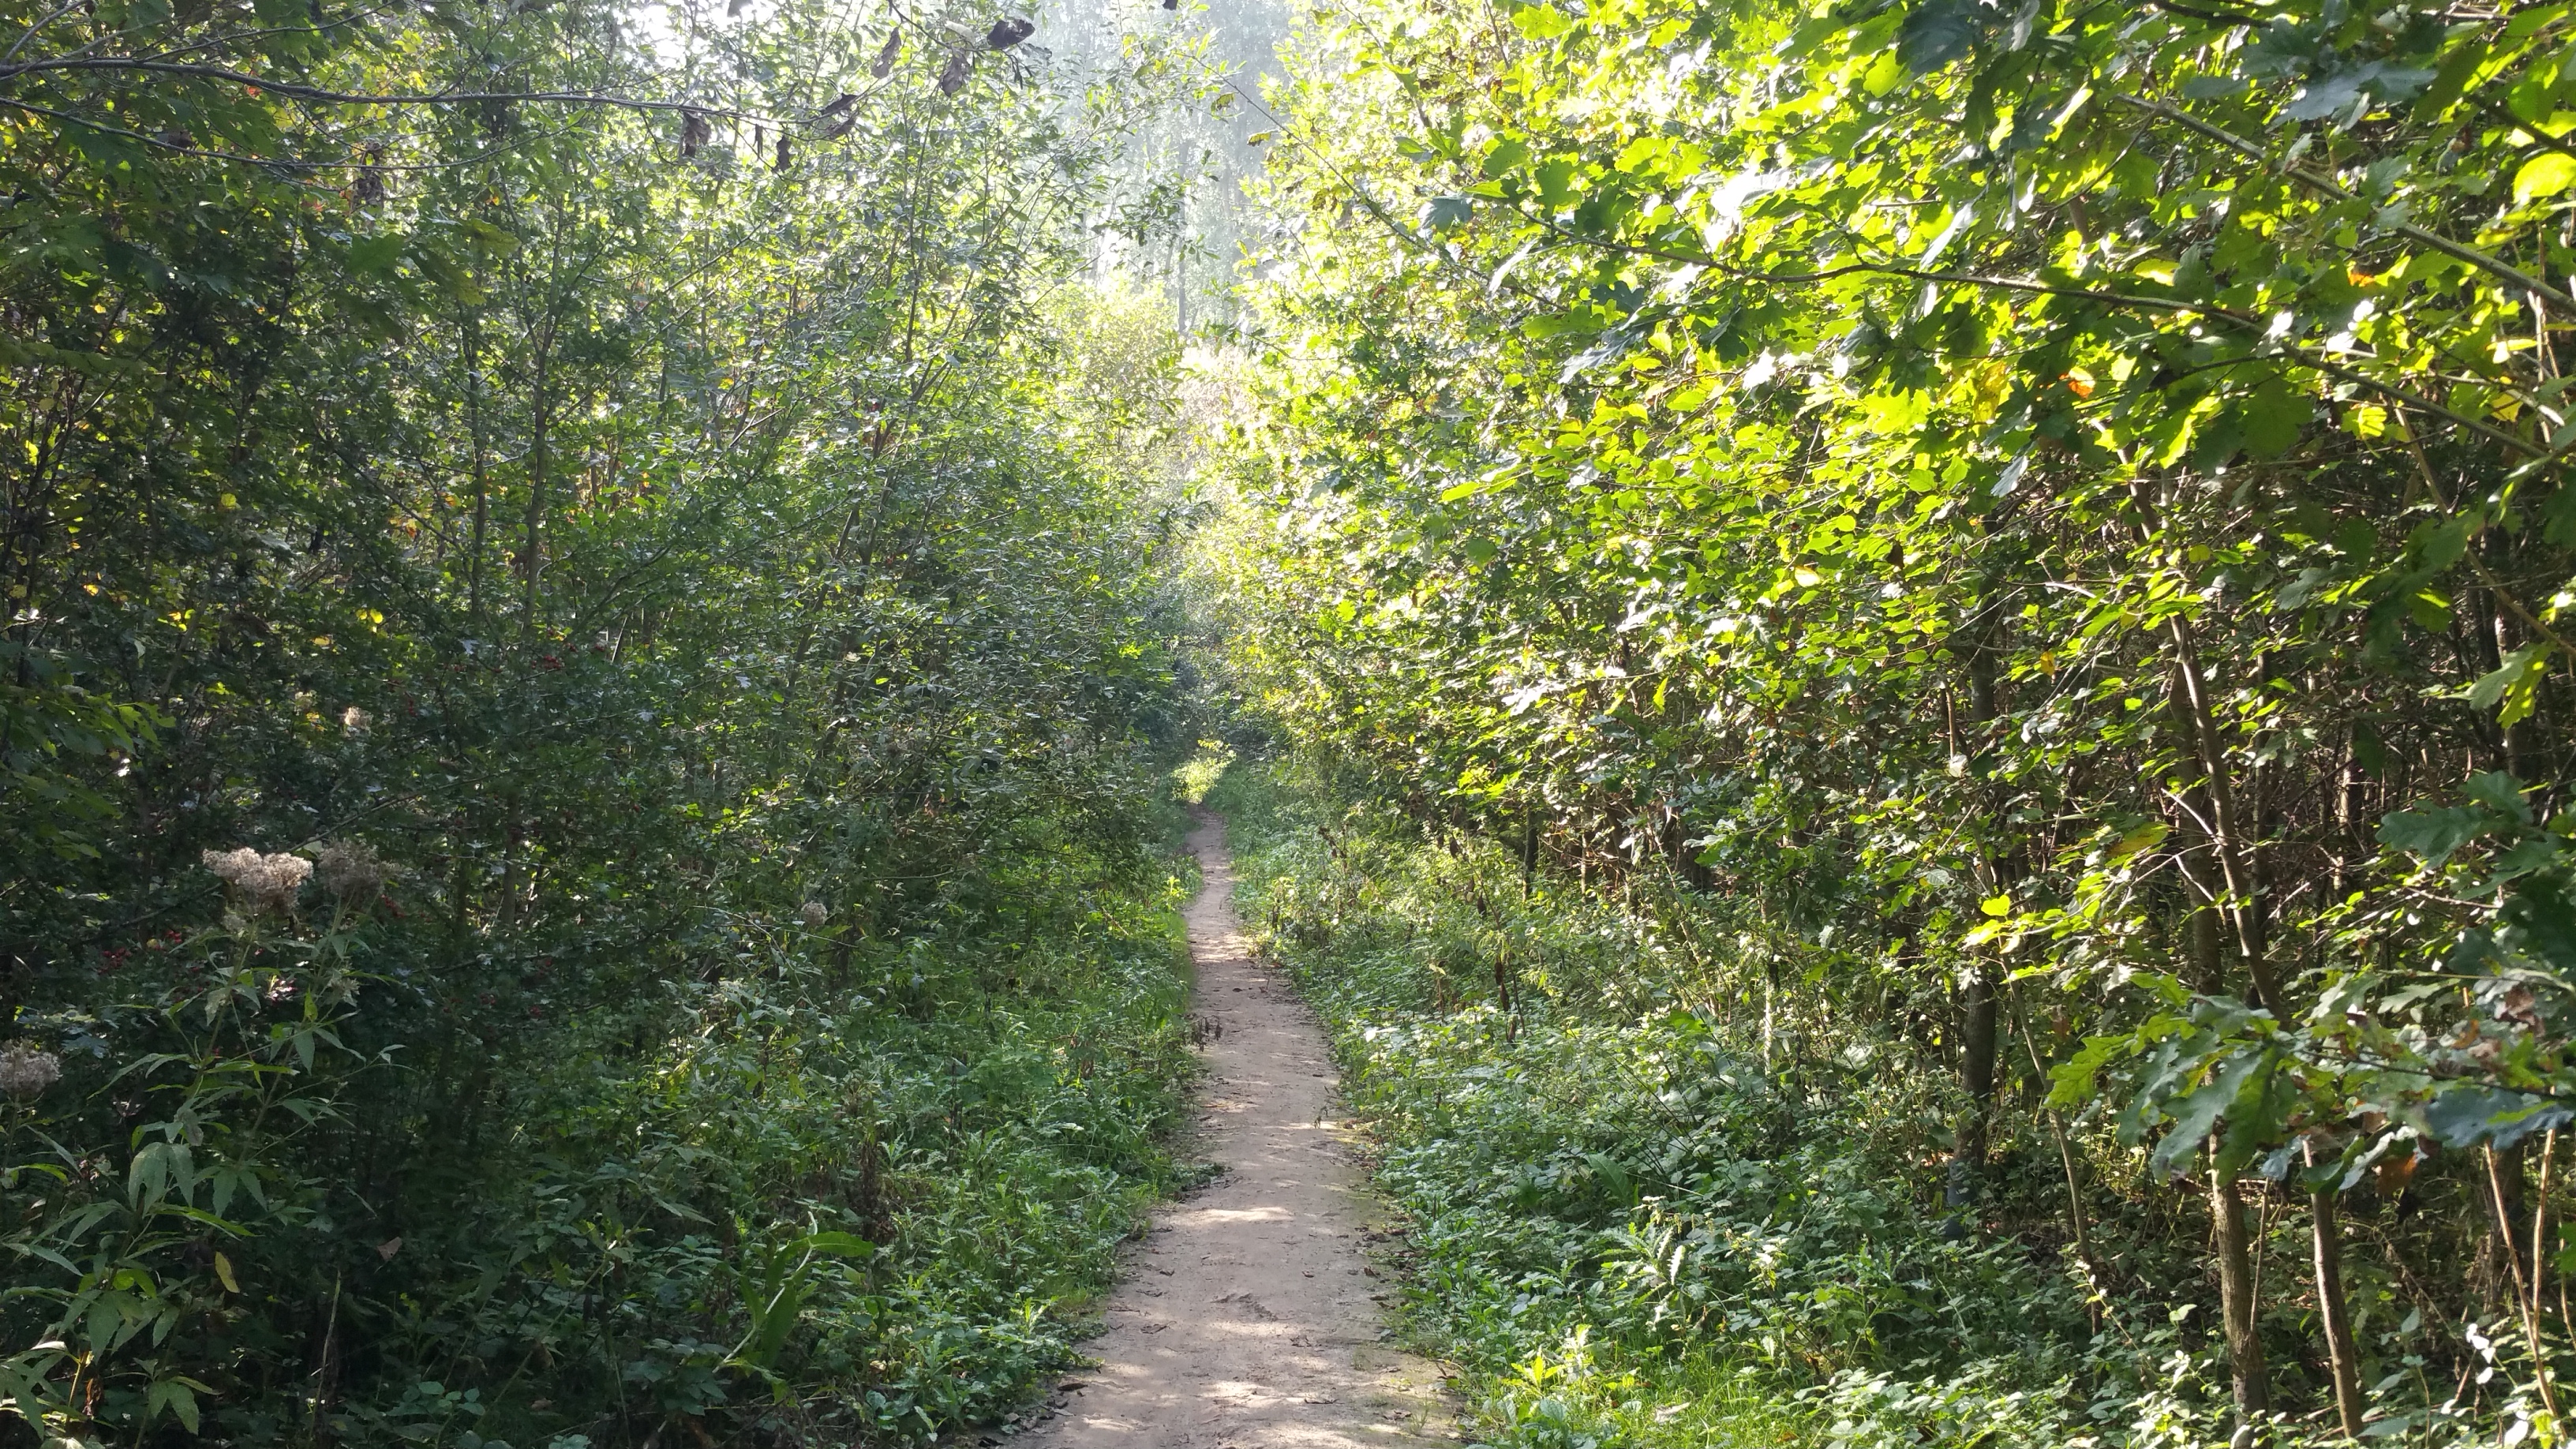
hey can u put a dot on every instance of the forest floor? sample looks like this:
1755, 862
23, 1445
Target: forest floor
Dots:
1249, 1317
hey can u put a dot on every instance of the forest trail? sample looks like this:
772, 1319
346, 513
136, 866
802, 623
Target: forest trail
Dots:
1247, 1320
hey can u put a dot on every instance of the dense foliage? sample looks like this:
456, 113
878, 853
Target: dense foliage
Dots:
2035, 535
584, 705
1628, 1228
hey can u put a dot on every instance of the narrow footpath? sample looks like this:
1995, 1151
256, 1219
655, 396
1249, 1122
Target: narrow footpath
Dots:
1249, 1317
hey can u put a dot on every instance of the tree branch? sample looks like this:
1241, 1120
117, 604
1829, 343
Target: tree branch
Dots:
2340, 192
320, 96
2123, 299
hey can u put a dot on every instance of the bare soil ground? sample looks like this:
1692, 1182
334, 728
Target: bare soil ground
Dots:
1249, 1318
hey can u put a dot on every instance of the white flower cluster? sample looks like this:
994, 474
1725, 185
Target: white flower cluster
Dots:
350, 868
266, 880
26, 1072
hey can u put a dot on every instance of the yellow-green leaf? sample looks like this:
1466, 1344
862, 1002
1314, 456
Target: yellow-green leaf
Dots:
1885, 76
2543, 175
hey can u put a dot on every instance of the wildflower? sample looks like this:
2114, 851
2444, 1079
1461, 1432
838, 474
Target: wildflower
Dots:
267, 880
349, 868
814, 914
26, 1072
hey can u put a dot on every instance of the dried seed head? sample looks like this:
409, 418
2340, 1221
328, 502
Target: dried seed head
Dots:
349, 868
814, 914
263, 880
26, 1072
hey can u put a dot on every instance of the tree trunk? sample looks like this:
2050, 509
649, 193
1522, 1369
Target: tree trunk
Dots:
2507, 1195
482, 490
2057, 1131
2226, 830
2341, 1354
2250, 1378
543, 407
2208, 950
1977, 647
2197, 722
1977, 1062
1529, 854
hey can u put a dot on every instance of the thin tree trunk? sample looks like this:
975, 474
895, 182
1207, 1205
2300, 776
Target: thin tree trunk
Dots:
2208, 951
1977, 1062
482, 488
2198, 723
1770, 1002
1977, 647
1529, 854
2341, 1354
2057, 1130
543, 406
2227, 834
2526, 1293
2250, 1377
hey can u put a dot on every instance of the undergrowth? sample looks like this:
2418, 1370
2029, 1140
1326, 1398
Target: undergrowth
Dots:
1628, 1229
844, 1186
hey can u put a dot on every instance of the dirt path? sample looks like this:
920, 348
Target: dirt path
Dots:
1248, 1318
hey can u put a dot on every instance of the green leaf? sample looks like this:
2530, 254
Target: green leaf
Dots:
1556, 182
2543, 176
2540, 920
2513, 689
2434, 834
2196, 1113
449, 276
2451, 79
172, 1395
2144, 837
1446, 213
1539, 22
2465, 1114
2076, 1078
375, 254
488, 239
1935, 34
2271, 419
1505, 155
846, 1245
